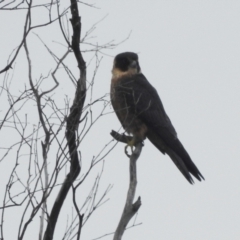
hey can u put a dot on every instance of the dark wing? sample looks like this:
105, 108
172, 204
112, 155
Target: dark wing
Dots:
144, 100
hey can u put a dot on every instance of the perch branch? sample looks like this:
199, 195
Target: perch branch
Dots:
121, 137
130, 208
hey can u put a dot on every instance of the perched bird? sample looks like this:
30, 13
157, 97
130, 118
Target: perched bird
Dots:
141, 113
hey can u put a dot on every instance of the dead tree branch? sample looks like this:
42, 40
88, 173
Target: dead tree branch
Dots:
28, 26
72, 123
130, 208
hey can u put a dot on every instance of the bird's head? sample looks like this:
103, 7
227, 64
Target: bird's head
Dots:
125, 64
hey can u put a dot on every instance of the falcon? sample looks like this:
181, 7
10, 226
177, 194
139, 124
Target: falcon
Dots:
141, 113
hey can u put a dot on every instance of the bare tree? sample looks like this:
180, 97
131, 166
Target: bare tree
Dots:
44, 156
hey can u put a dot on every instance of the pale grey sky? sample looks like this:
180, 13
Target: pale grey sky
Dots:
190, 52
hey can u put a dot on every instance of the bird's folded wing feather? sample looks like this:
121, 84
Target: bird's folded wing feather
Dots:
142, 98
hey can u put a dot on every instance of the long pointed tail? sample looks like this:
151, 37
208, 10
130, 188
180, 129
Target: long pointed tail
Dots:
179, 156
180, 165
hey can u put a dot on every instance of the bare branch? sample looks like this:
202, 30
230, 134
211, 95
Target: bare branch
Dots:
130, 208
121, 137
39, 124
72, 123
27, 30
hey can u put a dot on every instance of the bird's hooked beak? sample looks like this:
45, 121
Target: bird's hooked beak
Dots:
133, 64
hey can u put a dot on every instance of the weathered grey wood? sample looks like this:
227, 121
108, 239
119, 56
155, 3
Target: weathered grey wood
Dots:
130, 208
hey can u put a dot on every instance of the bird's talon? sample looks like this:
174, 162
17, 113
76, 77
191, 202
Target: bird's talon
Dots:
131, 145
132, 148
126, 152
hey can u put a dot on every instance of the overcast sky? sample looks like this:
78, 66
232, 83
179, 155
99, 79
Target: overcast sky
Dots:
190, 52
